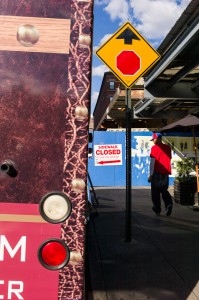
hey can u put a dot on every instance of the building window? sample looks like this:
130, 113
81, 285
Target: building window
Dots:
112, 85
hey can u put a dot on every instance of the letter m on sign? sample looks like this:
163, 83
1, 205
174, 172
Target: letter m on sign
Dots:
12, 252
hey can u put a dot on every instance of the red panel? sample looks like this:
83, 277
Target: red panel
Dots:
22, 273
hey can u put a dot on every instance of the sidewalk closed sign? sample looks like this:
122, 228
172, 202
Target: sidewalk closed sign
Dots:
108, 155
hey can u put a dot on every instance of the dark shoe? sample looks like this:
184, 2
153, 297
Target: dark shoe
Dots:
169, 210
156, 211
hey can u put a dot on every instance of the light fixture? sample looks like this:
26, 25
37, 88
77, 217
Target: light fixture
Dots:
55, 207
53, 254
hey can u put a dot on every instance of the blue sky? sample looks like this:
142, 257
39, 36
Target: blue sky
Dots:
152, 18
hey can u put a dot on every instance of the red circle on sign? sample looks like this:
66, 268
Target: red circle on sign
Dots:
128, 62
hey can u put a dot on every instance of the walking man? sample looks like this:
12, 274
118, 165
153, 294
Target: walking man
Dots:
160, 168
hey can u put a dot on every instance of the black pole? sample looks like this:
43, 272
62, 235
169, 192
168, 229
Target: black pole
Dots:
92, 188
196, 202
128, 165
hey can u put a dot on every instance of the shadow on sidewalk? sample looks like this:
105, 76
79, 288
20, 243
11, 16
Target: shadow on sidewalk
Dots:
161, 261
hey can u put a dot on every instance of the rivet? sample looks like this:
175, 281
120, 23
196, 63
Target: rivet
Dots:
27, 35
81, 112
75, 258
84, 40
78, 185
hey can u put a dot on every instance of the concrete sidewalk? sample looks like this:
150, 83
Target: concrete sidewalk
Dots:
162, 260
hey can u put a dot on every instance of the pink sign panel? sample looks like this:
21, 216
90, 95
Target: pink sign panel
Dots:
22, 231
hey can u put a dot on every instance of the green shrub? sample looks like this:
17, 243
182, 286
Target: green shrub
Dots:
184, 168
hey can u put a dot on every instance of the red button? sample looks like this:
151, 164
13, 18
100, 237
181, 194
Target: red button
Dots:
53, 254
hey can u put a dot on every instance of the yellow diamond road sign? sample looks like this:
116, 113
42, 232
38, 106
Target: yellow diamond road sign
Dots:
127, 54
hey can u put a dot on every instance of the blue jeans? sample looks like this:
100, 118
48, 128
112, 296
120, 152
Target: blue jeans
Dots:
159, 185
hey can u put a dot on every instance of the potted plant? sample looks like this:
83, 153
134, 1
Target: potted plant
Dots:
185, 184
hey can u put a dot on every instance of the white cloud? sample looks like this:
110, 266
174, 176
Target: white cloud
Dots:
105, 38
118, 9
94, 98
152, 18
155, 18
95, 95
101, 2
102, 41
99, 70
184, 3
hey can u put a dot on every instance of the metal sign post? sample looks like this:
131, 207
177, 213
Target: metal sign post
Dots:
129, 56
128, 165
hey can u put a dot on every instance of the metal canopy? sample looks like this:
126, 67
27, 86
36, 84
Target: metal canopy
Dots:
172, 86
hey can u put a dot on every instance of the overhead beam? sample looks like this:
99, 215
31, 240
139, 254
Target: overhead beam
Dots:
195, 85
162, 89
194, 110
163, 106
184, 71
172, 53
163, 114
